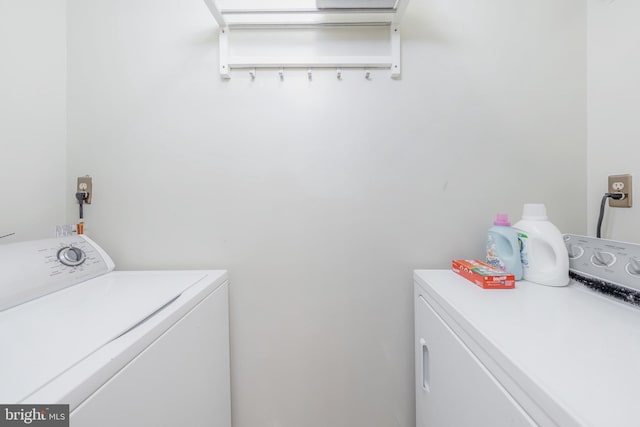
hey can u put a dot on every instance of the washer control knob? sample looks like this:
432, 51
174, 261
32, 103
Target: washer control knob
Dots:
634, 266
71, 256
603, 259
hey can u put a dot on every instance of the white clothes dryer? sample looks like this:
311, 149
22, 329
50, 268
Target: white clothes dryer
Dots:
534, 355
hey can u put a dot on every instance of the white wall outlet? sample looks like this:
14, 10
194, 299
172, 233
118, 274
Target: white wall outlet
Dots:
620, 184
617, 186
85, 184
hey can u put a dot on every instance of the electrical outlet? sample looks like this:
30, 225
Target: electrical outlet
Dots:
85, 184
621, 184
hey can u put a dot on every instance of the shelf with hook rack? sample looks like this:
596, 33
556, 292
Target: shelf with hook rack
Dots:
242, 21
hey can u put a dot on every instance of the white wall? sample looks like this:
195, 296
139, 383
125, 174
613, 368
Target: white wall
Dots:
613, 97
321, 197
32, 117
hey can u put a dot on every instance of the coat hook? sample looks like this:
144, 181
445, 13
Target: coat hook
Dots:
339, 74
252, 74
367, 74
309, 73
281, 73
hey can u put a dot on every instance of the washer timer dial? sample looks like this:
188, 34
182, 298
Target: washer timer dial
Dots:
71, 256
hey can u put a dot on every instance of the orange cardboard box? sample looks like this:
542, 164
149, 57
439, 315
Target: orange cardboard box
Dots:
483, 275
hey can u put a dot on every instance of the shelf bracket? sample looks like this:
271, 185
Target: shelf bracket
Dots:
395, 51
213, 8
401, 6
225, 67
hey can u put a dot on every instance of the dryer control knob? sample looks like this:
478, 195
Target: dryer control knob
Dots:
634, 266
71, 256
574, 251
603, 259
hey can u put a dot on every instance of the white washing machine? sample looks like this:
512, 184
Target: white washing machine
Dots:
147, 348
533, 355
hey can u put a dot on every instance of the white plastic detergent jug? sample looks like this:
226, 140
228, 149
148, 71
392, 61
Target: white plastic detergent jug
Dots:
503, 249
544, 256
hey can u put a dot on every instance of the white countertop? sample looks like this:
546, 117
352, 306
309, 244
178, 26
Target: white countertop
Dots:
574, 352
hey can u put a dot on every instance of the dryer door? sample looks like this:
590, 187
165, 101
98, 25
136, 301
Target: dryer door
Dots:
452, 387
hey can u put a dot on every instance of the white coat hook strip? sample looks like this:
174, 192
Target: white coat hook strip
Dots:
339, 73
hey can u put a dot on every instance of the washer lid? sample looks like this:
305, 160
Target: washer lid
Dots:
46, 336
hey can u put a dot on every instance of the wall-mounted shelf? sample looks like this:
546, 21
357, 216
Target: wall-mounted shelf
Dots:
355, 15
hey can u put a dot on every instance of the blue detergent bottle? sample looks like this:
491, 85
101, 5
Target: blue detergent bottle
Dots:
503, 249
